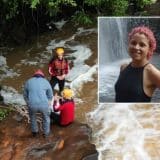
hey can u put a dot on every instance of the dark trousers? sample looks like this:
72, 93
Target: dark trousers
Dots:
54, 80
55, 119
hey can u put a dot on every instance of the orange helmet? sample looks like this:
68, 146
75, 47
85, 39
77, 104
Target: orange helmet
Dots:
60, 51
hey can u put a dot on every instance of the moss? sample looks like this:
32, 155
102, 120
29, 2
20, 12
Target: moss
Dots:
4, 113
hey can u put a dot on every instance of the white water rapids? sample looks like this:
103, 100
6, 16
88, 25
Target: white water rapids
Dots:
78, 75
126, 131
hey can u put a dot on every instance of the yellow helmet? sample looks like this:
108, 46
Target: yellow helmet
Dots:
67, 93
60, 51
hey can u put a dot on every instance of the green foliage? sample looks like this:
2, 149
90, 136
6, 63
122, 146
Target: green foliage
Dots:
34, 3
9, 9
142, 3
111, 7
95, 2
144, 13
4, 113
81, 18
54, 6
119, 7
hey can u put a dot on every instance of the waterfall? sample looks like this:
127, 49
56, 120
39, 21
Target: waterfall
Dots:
112, 51
112, 39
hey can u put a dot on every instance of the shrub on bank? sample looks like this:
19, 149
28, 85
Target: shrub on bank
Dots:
4, 113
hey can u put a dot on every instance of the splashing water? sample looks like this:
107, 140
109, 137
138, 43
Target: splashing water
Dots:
112, 50
78, 75
109, 75
126, 132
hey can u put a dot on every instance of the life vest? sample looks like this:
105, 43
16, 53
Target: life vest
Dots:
58, 67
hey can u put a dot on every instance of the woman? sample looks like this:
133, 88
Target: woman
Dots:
138, 79
58, 69
66, 108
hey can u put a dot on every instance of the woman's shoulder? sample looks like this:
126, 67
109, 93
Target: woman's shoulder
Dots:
123, 66
153, 74
150, 68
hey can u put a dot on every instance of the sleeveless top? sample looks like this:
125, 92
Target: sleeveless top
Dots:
129, 86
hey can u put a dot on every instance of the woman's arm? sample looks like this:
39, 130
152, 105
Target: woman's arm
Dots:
154, 75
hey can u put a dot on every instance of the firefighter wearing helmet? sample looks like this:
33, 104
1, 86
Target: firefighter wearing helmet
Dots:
65, 105
58, 69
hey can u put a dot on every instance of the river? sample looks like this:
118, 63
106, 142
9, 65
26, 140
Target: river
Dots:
120, 131
19, 64
126, 131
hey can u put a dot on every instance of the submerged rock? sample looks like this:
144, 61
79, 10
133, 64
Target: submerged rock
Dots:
91, 157
64, 143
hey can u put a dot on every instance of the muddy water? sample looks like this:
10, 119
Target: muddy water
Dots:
127, 131
25, 60
89, 89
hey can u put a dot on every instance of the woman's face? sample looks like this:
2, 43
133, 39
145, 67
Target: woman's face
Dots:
138, 47
60, 57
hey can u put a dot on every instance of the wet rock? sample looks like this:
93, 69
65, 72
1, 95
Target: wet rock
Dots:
6, 153
60, 145
39, 151
18, 117
91, 157
71, 142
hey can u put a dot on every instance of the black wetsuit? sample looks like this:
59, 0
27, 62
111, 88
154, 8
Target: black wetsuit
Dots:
129, 86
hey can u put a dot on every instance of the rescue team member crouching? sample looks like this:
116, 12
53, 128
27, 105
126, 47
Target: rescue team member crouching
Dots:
65, 106
58, 69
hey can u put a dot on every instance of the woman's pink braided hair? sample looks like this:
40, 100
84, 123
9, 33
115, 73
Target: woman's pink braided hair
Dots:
149, 34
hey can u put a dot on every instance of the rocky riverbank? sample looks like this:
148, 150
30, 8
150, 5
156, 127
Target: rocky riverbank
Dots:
70, 143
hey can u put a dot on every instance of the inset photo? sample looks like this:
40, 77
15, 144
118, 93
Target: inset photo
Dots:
129, 59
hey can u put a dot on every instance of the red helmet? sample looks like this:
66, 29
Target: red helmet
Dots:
39, 72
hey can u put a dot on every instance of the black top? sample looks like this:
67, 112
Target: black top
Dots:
129, 86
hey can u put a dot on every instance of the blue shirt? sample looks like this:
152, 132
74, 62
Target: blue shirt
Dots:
37, 92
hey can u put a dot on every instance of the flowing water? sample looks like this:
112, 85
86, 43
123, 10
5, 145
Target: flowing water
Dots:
126, 131
20, 64
120, 131
113, 53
